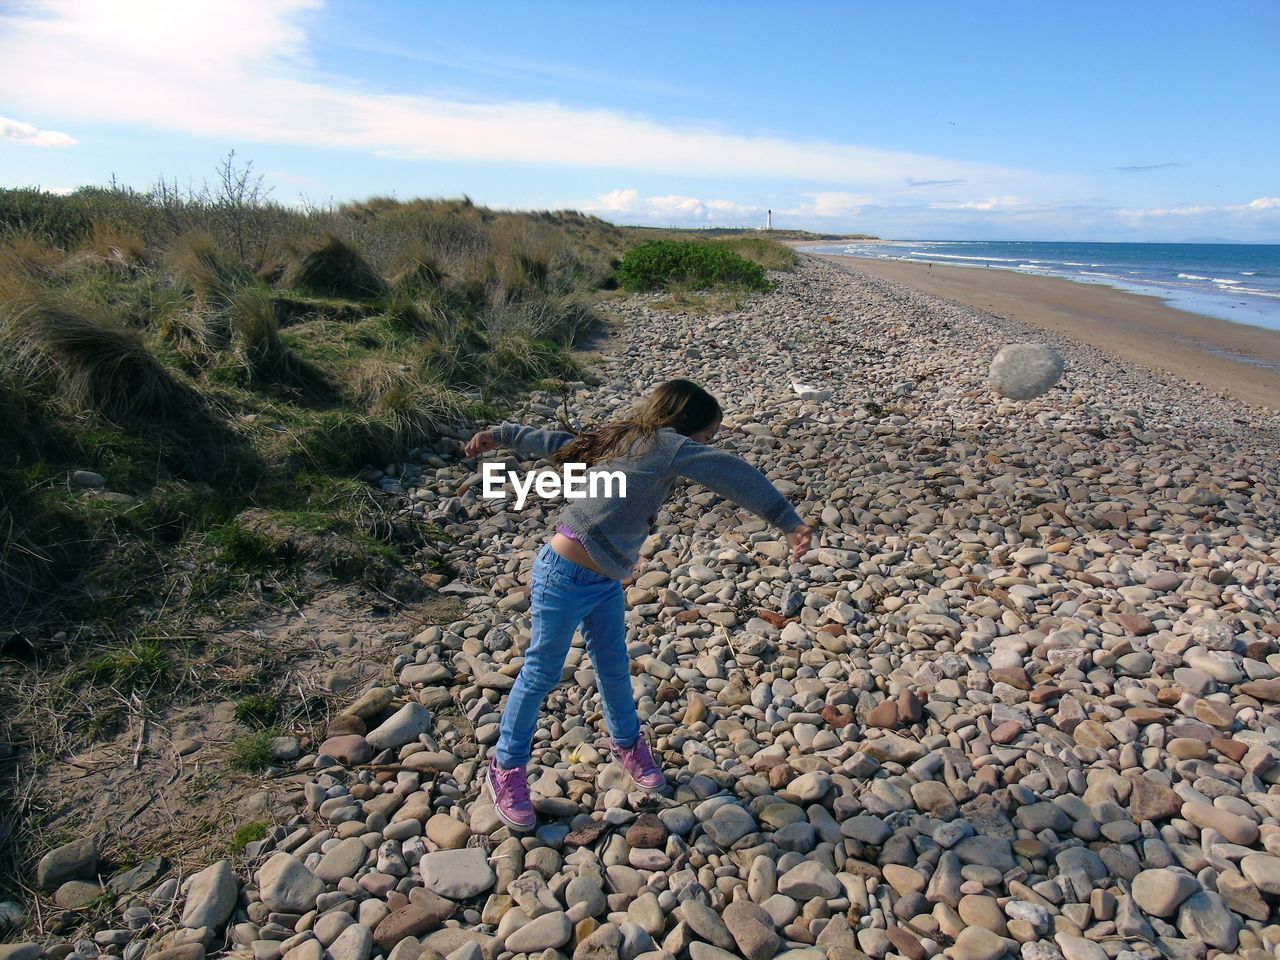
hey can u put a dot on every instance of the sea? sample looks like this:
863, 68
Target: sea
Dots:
1232, 281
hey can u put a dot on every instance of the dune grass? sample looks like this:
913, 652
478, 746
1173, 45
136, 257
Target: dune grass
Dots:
203, 357
769, 254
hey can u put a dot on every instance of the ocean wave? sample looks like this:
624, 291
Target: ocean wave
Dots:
1247, 273
956, 256
1225, 282
1193, 276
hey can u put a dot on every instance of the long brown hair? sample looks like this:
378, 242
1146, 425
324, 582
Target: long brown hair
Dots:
680, 404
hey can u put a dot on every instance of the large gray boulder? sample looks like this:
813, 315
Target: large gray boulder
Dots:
1024, 371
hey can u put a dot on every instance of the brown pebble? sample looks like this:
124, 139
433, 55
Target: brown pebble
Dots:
771, 618
345, 724
647, 832
837, 717
908, 943
1014, 676
1007, 732
909, 707
780, 775
883, 715
1220, 715
1044, 694
1185, 748
1135, 623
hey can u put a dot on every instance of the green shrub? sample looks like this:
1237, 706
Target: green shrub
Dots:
238, 547
247, 834
258, 710
658, 264
137, 666
46, 215
252, 752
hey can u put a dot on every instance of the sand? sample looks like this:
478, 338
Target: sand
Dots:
1242, 361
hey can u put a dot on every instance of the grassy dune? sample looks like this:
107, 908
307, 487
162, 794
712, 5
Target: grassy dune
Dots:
205, 357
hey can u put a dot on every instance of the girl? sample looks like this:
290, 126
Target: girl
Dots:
577, 577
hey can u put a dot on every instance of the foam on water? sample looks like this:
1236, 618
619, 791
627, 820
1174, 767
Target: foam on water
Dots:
1191, 276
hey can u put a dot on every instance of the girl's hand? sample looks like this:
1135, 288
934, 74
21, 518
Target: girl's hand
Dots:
482, 442
800, 540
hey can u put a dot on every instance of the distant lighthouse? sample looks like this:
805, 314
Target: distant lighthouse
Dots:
768, 220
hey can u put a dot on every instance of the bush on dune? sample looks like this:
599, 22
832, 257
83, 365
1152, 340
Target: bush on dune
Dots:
660, 264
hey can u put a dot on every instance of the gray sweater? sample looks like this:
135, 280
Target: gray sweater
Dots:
612, 529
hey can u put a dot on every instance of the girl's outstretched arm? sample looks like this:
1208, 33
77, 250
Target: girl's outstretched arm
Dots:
526, 440
736, 480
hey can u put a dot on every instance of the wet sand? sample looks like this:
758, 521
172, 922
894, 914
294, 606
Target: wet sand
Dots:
1241, 360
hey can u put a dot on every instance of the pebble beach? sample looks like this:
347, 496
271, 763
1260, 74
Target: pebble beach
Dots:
1022, 699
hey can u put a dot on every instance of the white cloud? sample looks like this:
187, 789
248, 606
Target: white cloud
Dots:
1253, 206
831, 203
15, 131
670, 209
238, 70
991, 203
616, 201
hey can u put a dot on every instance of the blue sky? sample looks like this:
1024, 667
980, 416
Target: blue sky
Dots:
920, 120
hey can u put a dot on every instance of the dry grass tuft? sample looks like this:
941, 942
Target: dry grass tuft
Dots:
770, 254
255, 337
379, 376
336, 269
30, 254
418, 271
94, 364
212, 279
116, 244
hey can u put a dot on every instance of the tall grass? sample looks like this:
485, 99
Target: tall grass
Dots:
212, 337
770, 254
335, 268
92, 362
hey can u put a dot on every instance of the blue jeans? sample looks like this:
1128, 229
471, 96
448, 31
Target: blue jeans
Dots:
564, 596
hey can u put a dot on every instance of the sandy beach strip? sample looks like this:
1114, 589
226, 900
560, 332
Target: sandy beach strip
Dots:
1241, 360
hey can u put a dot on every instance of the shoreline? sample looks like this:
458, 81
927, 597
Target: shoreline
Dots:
1240, 360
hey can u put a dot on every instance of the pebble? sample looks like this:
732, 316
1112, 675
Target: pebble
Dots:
76, 860
1160, 892
211, 897
404, 726
287, 886
547, 932
457, 874
976, 943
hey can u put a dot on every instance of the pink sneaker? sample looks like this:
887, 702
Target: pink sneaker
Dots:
510, 793
638, 761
